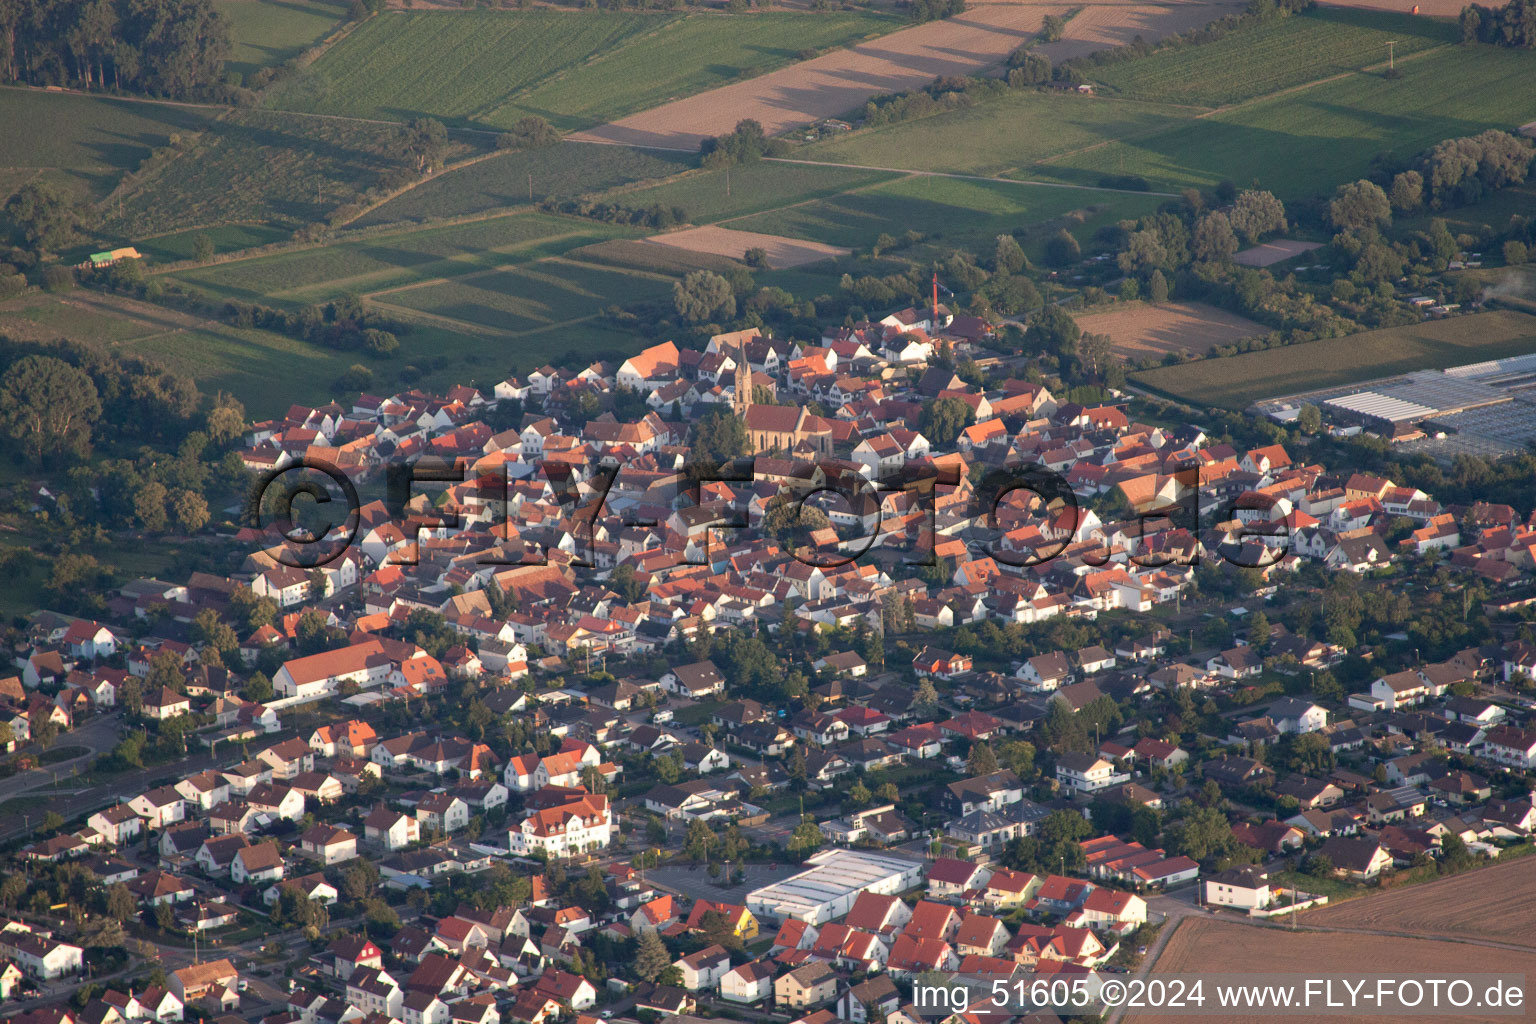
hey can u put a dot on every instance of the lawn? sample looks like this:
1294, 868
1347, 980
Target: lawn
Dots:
268, 32
87, 141
393, 259
489, 68
1312, 139
1235, 382
1264, 59
258, 167
569, 169
956, 211
517, 300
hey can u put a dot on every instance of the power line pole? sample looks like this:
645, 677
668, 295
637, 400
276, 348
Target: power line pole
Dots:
1391, 58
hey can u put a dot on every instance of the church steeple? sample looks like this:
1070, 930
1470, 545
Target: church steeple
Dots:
742, 399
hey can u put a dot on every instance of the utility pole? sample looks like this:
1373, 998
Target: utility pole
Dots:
727, 180
530, 186
1391, 54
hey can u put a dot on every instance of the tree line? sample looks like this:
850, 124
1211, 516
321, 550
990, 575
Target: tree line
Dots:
1514, 24
173, 48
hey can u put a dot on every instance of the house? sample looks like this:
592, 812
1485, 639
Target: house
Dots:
392, 830
743, 923
39, 954
1356, 858
1244, 888
572, 990
1294, 715
704, 969
118, 824
937, 663
808, 985
442, 812
877, 995
948, 876
1112, 910
749, 983
698, 680
260, 863
328, 844
1401, 689
212, 984
1088, 773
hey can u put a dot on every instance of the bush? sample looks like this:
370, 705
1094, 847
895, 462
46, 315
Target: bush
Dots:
58, 278
1515, 253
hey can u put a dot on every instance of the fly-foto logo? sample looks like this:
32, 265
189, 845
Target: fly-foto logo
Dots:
1025, 515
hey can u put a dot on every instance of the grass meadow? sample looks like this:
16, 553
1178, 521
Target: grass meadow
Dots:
488, 68
267, 32
1235, 382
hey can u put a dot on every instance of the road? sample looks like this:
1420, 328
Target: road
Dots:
98, 736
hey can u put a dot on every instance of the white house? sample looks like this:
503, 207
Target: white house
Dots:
703, 970
1087, 773
39, 954
749, 983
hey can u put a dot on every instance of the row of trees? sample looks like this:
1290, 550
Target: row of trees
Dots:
1514, 24
171, 48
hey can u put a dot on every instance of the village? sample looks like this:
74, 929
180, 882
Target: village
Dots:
764, 699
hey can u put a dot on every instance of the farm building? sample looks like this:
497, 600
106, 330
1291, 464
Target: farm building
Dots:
102, 260
830, 884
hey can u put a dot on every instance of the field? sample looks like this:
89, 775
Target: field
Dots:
1235, 382
717, 241
1267, 254
955, 210
1265, 59
268, 32
393, 259
86, 141
1140, 330
1283, 107
1204, 946
838, 83
489, 68
1105, 23
638, 254
1489, 903
256, 167
519, 300
503, 181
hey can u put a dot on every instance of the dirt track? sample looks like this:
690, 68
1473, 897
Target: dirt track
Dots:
838, 83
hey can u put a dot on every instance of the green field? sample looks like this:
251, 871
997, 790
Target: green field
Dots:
517, 300
1310, 140
710, 196
85, 141
1235, 382
1265, 59
489, 68
258, 167
182, 245
392, 259
268, 32
1001, 136
954, 210
569, 169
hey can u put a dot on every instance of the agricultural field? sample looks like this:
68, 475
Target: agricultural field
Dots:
502, 181
779, 252
85, 142
268, 32
181, 245
1309, 140
265, 371
1101, 24
393, 259
638, 254
709, 196
523, 299
1202, 945
256, 167
488, 68
1235, 382
1141, 330
1490, 903
973, 140
955, 211
1264, 59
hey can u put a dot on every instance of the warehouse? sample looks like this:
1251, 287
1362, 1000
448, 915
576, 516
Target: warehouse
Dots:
831, 882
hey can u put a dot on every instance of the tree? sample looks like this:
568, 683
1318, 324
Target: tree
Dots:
1062, 250
41, 215
1256, 213
1214, 238
190, 510
981, 761
208, 629
202, 247
1309, 418
859, 794
1515, 253
1358, 206
1407, 192
1008, 256
424, 140
49, 406
702, 296
1157, 287
805, 839
1051, 28
942, 419
926, 696
719, 437
651, 956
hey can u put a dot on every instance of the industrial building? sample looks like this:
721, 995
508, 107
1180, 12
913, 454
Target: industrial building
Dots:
832, 880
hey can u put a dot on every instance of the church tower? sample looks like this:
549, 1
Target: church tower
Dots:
742, 399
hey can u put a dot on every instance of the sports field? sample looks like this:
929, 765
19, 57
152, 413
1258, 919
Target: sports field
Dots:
267, 32
489, 68
1235, 382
